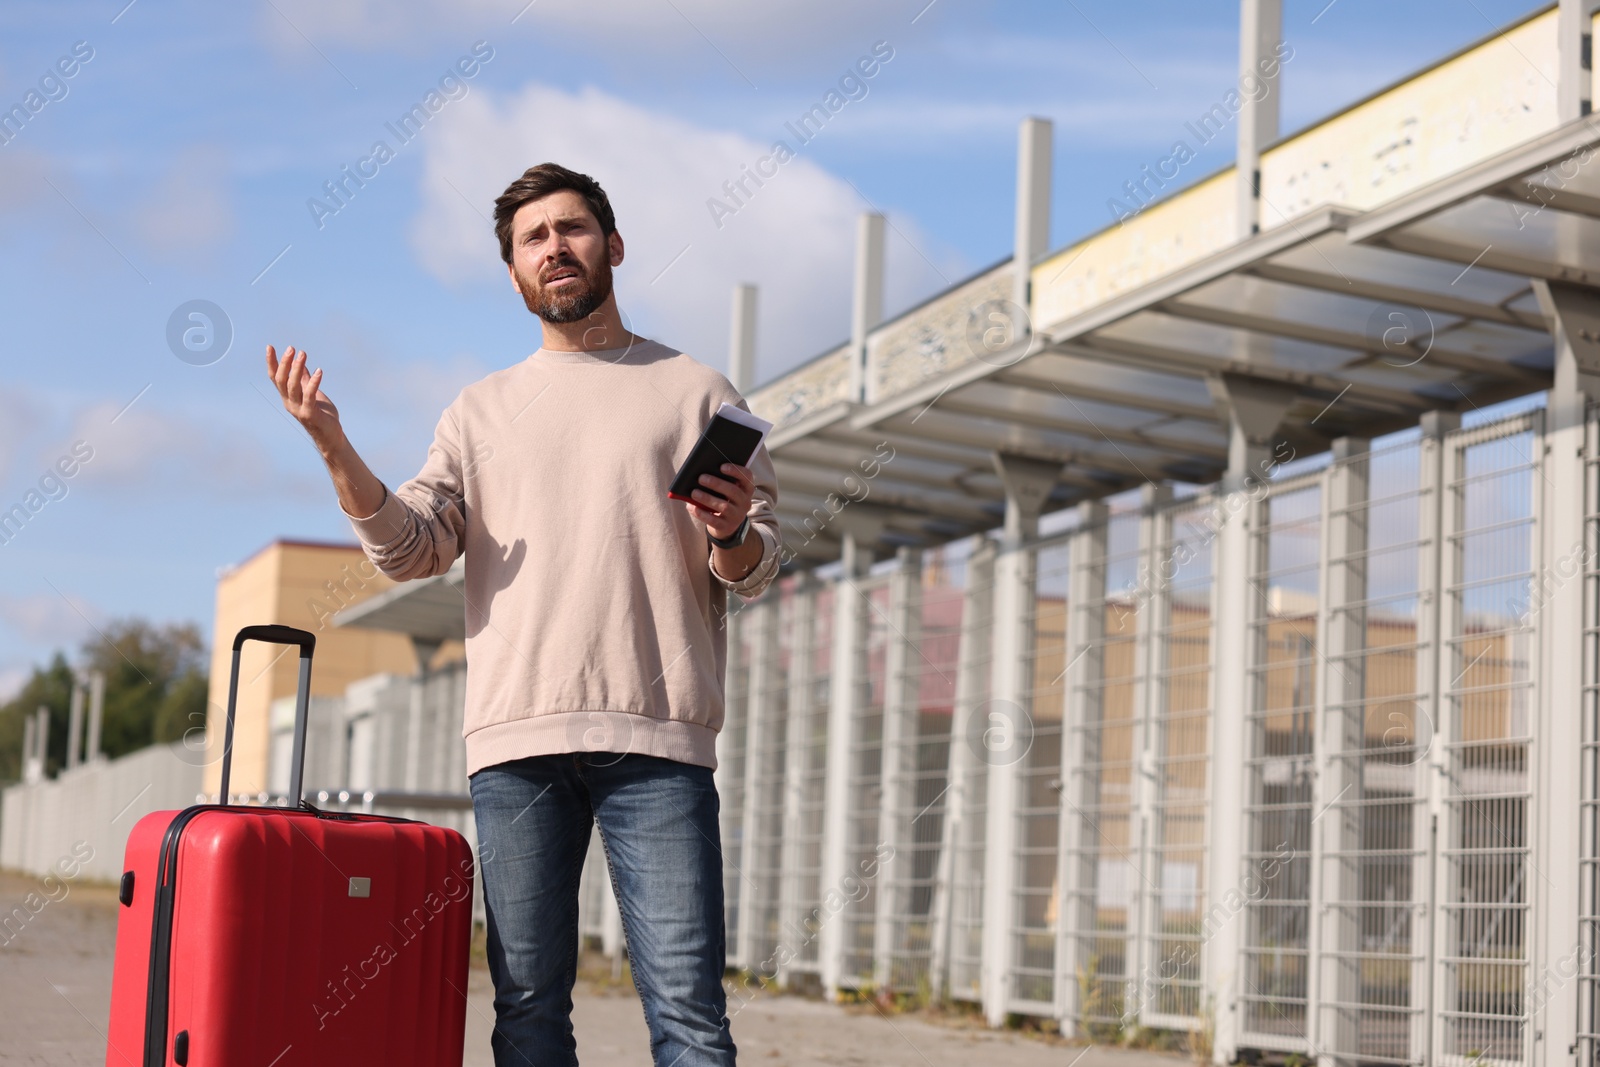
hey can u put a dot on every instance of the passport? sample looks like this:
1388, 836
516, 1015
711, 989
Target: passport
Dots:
732, 436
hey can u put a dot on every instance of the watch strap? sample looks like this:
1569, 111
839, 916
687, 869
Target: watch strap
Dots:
736, 540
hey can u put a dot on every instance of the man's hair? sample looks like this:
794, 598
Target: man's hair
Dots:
543, 180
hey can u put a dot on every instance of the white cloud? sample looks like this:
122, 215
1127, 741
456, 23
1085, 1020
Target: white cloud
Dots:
740, 29
22, 179
389, 403
48, 620
19, 418
189, 209
793, 236
406, 391
149, 449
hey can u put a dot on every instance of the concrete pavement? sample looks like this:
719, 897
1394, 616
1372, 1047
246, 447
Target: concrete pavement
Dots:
55, 985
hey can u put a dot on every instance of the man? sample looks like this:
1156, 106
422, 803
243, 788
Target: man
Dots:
594, 610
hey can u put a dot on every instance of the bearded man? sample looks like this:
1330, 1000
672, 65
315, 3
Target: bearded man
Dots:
594, 610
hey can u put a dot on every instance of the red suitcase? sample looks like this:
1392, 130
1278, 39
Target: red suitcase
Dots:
290, 937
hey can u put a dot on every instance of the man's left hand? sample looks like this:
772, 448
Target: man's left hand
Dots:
723, 517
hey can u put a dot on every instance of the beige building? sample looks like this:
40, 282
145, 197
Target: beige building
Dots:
292, 583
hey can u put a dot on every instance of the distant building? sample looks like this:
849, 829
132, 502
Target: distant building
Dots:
292, 583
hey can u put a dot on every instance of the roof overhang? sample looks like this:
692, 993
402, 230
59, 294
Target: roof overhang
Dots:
429, 610
1365, 321
1368, 320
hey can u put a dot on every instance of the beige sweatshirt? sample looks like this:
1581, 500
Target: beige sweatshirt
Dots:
594, 618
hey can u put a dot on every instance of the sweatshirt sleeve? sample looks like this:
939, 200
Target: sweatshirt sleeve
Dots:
417, 531
753, 584
763, 524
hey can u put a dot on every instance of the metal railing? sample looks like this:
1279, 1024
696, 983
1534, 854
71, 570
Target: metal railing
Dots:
1036, 894
1492, 485
1279, 767
917, 762
1374, 815
1171, 990
1103, 866
863, 819
1383, 871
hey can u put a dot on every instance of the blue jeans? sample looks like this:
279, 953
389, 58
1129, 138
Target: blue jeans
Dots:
658, 825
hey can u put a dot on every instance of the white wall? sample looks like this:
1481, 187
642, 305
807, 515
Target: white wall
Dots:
95, 803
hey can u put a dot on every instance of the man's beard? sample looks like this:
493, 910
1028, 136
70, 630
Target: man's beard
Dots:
571, 302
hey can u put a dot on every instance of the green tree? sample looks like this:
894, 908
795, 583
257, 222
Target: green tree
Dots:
48, 687
183, 708
156, 689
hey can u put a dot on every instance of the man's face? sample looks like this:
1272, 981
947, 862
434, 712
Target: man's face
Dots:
560, 261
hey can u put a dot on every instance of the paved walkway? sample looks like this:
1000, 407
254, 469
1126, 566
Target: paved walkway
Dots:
55, 985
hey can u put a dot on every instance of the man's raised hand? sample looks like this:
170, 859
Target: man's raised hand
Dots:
360, 492
303, 396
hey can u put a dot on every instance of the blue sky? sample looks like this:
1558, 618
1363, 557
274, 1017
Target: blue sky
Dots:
177, 163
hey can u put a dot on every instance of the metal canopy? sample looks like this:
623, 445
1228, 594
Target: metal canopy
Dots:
1533, 212
1368, 319
1371, 319
426, 609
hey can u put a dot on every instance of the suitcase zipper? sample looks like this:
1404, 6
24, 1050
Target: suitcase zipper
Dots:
155, 1017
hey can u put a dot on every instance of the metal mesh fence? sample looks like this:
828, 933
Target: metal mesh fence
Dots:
1589, 816
914, 812
762, 858
1386, 850
1180, 741
866, 783
1379, 733
1102, 790
1488, 571
1279, 769
808, 740
967, 808
732, 751
1037, 894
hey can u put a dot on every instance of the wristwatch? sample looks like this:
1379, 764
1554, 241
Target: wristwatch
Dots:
736, 540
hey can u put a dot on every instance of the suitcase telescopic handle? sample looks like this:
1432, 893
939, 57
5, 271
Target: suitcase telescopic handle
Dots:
276, 635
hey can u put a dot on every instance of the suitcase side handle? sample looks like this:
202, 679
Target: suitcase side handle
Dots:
277, 635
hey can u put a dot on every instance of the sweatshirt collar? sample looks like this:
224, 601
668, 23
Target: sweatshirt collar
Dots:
597, 357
